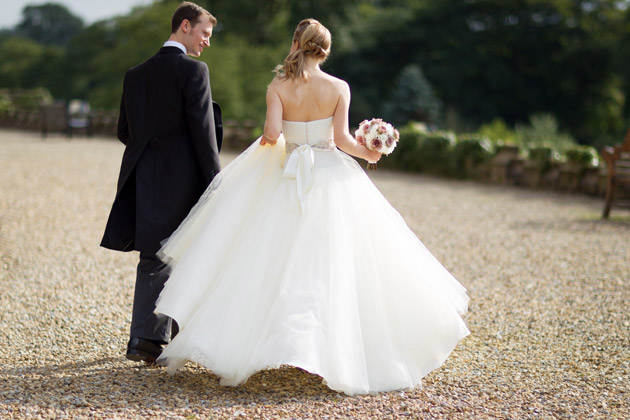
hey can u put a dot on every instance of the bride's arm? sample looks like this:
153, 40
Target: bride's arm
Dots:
344, 140
273, 120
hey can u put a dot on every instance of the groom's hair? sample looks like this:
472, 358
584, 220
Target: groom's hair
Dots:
191, 12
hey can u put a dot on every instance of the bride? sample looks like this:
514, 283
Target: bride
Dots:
293, 257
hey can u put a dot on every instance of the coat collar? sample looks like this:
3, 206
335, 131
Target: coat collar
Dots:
170, 50
177, 44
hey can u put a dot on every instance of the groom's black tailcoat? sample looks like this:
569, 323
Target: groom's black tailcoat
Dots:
172, 131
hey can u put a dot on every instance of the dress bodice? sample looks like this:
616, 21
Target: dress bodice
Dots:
303, 138
315, 133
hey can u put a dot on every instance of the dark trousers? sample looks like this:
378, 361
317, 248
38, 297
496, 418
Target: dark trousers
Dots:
145, 323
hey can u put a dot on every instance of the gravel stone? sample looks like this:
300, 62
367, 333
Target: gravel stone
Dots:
549, 283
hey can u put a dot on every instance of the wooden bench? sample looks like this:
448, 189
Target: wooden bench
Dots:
617, 160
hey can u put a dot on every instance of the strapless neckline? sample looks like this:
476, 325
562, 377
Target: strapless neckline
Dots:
320, 119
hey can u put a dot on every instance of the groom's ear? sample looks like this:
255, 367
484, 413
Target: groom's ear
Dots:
185, 26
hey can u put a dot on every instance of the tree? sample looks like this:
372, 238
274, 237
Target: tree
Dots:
622, 58
412, 99
264, 23
485, 59
520, 57
331, 13
368, 52
106, 50
99, 56
495, 58
49, 24
18, 57
273, 21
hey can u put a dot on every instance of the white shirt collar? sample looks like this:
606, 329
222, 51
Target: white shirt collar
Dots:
176, 44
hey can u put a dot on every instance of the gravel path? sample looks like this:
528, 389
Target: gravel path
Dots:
549, 284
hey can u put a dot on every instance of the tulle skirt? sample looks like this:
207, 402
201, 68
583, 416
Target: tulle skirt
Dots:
331, 281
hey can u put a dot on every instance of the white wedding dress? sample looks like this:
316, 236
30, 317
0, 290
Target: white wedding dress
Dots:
293, 257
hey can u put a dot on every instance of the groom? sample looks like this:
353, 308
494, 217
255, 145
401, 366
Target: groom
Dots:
172, 133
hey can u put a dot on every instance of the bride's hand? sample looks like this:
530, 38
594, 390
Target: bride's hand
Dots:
373, 156
266, 140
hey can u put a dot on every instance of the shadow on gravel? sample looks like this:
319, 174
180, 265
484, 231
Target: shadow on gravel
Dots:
111, 384
584, 225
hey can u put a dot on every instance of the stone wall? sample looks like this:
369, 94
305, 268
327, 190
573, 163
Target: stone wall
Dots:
236, 135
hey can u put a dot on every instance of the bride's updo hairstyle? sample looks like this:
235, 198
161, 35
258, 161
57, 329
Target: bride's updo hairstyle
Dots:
313, 40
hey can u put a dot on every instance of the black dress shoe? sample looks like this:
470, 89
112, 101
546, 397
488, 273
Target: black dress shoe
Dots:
141, 350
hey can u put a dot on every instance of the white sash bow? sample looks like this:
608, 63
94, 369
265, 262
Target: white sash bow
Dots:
300, 167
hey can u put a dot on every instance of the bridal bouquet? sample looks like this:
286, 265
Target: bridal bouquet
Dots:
377, 135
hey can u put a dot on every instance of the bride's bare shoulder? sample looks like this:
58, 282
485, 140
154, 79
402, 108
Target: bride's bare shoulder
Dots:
275, 84
340, 86
338, 83
333, 79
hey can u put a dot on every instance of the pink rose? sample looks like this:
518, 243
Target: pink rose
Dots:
396, 134
376, 144
361, 140
389, 142
382, 128
366, 128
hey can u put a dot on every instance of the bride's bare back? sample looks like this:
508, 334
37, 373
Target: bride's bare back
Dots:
317, 97
312, 99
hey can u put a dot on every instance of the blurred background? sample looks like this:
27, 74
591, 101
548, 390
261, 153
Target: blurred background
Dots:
530, 73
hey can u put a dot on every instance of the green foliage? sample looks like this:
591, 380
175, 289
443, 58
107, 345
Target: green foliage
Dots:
98, 59
329, 12
444, 153
494, 58
413, 99
434, 154
621, 60
23, 99
18, 56
369, 53
31, 99
584, 156
261, 23
604, 113
6, 105
542, 157
438, 152
498, 132
86, 76
468, 152
49, 24
240, 73
224, 61
485, 60
271, 22
132, 39
405, 154
543, 132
